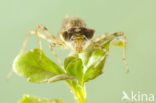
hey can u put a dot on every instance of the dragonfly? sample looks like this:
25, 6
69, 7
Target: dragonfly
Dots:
75, 36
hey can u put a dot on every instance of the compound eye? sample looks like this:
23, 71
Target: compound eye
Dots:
65, 36
89, 33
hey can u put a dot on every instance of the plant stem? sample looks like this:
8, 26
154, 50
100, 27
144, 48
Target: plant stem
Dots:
80, 95
78, 91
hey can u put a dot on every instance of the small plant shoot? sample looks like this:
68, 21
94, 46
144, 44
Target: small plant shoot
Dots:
85, 63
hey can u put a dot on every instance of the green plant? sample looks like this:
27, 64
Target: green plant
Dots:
78, 69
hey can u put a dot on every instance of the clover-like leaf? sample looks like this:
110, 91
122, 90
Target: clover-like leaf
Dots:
68, 60
96, 63
74, 68
95, 69
32, 99
85, 56
35, 66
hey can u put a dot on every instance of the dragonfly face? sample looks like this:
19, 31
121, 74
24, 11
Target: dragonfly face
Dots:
78, 38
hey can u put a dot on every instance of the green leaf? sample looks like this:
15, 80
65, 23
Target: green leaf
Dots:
59, 78
95, 65
35, 69
106, 45
85, 56
32, 99
94, 61
75, 68
68, 60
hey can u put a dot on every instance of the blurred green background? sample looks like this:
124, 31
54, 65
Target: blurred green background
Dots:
137, 18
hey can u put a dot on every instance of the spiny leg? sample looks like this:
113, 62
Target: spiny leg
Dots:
22, 49
39, 40
39, 35
105, 38
25, 40
43, 28
27, 37
124, 48
50, 38
54, 53
24, 44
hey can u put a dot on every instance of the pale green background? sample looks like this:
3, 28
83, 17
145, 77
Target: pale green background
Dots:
137, 18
